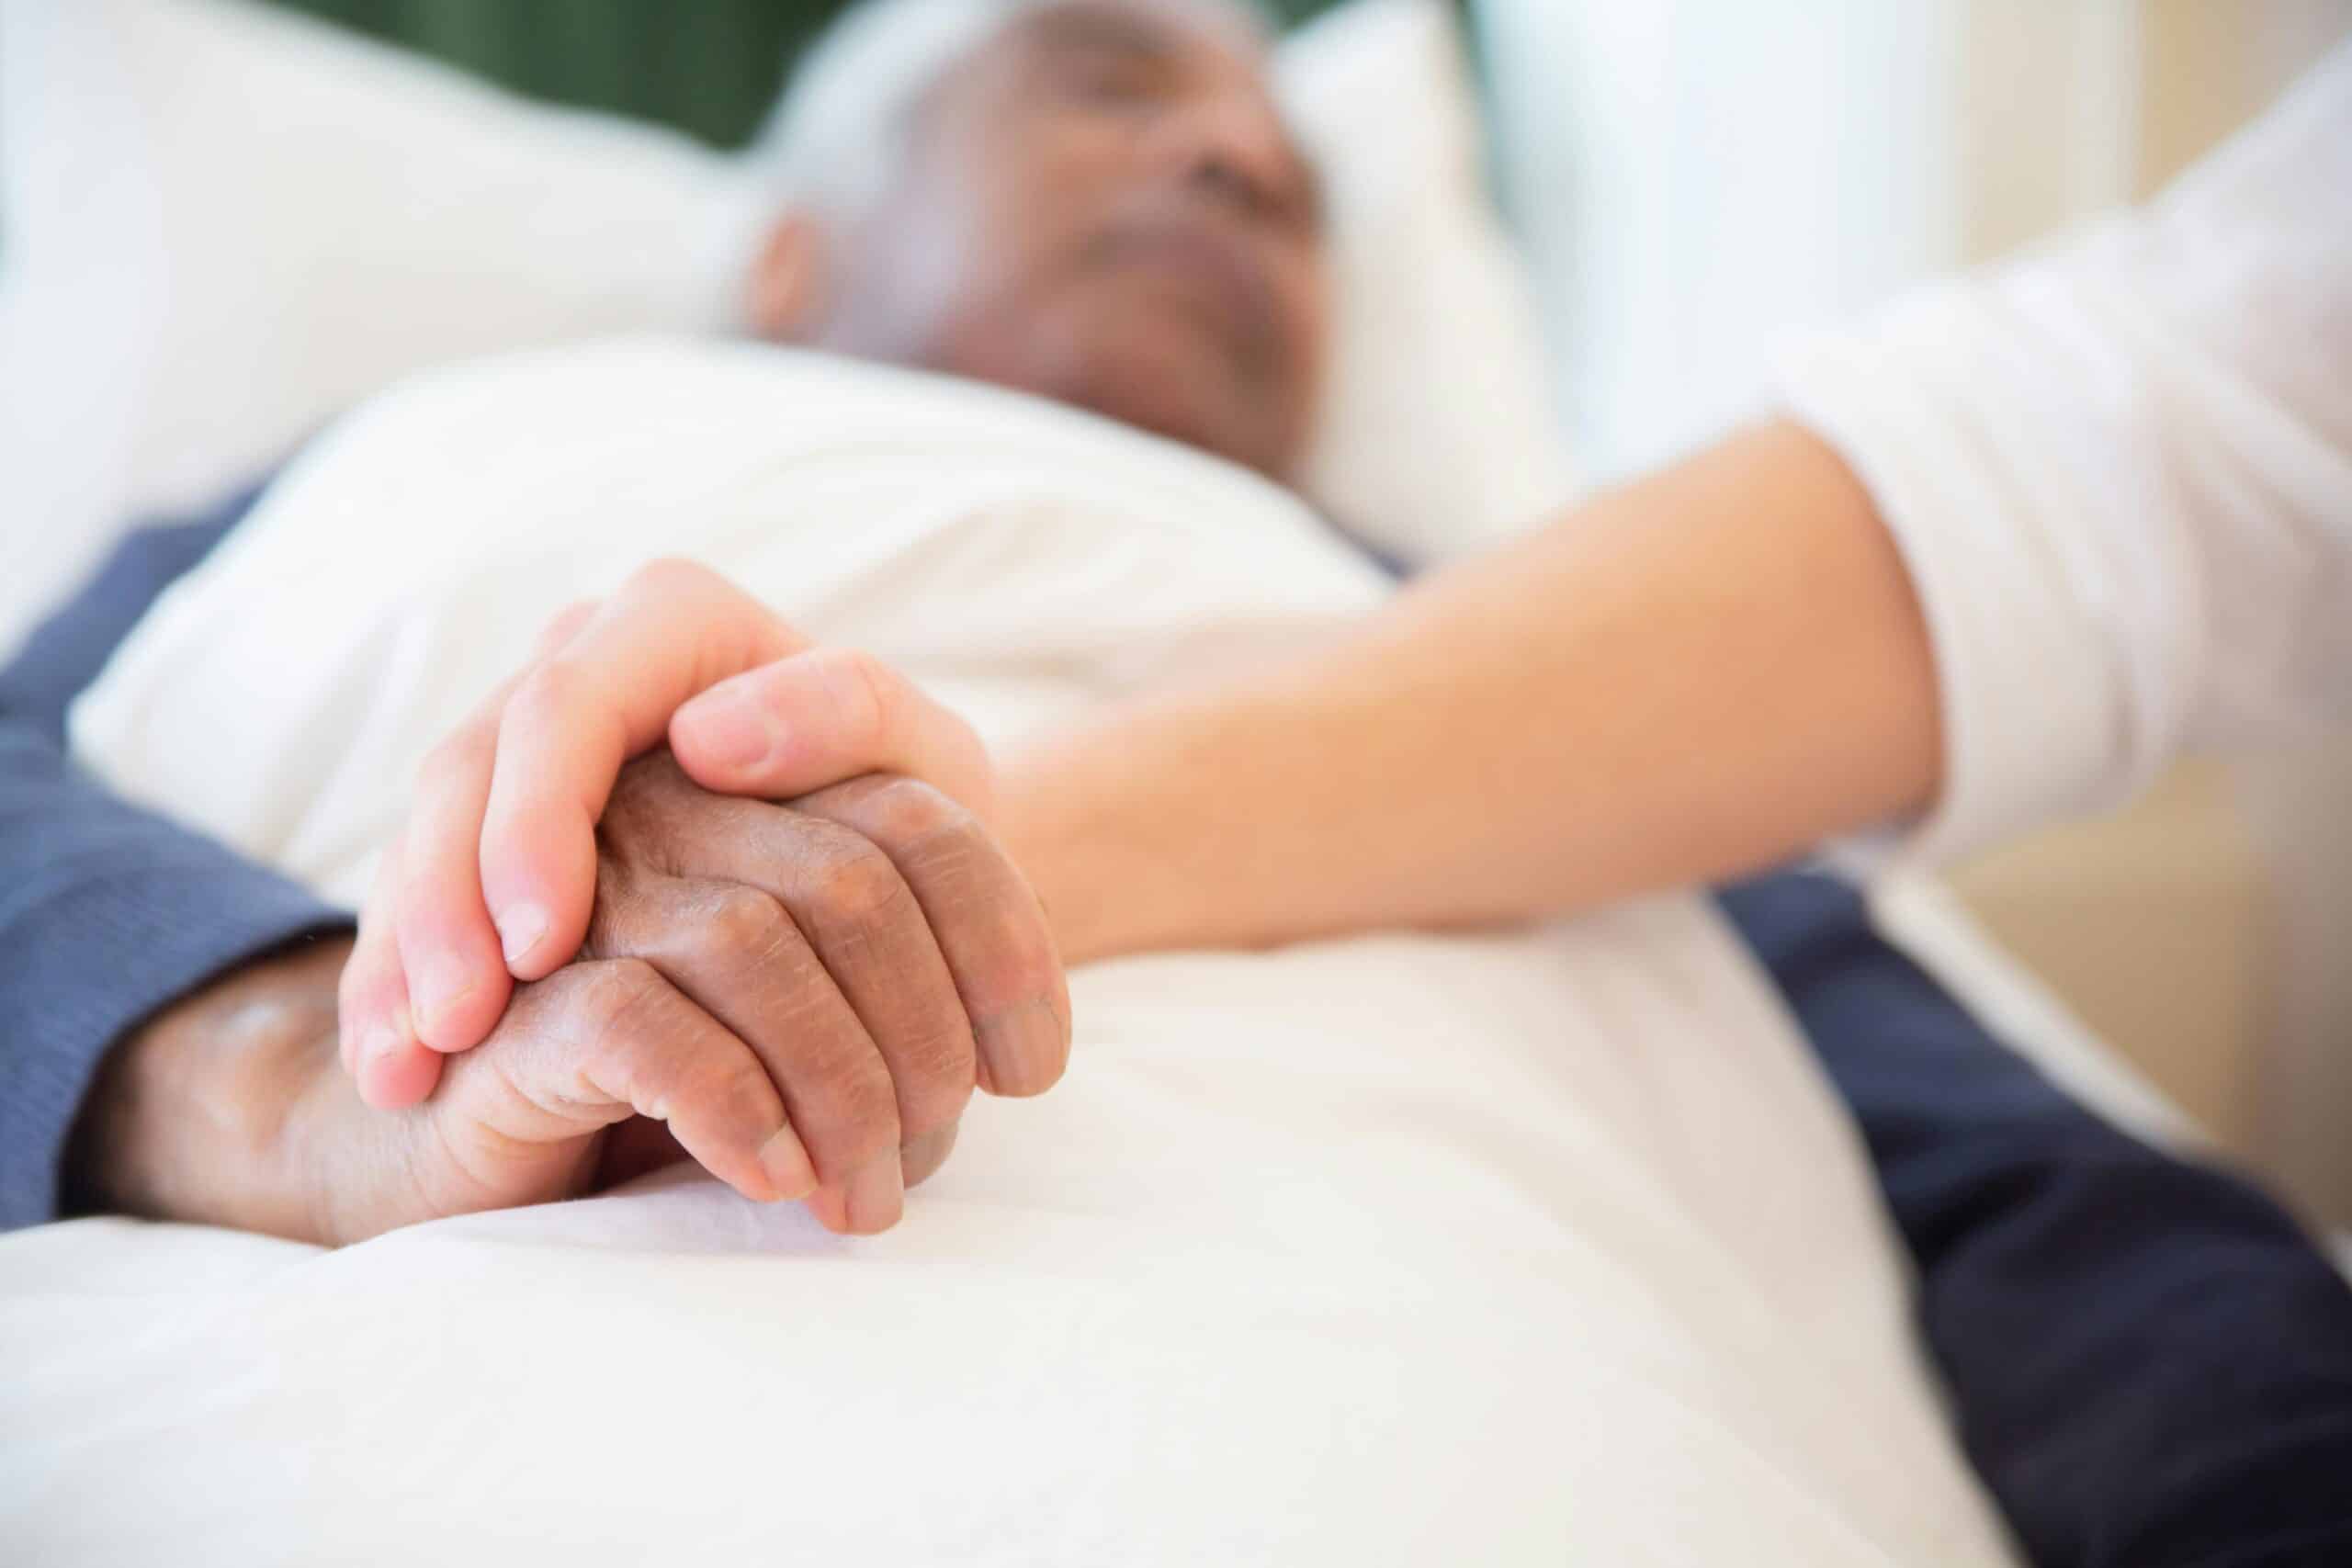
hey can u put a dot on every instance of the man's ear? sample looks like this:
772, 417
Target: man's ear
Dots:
786, 299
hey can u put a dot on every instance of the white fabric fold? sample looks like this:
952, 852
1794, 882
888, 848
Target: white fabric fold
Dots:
1530, 1248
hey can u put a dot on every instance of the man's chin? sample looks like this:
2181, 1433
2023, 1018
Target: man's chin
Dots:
1176, 398
1145, 371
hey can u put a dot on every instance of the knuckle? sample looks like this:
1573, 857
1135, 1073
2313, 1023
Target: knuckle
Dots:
1010, 959
614, 992
857, 1121
543, 696
910, 812
426, 905
733, 1093
965, 888
746, 928
939, 1073
855, 883
457, 752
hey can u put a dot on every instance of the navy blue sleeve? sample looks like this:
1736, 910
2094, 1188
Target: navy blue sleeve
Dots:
2149, 1362
107, 912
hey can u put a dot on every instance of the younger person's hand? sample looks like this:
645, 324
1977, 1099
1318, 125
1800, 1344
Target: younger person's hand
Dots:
496, 875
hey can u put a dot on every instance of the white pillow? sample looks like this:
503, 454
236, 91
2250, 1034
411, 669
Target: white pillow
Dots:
1440, 433
223, 224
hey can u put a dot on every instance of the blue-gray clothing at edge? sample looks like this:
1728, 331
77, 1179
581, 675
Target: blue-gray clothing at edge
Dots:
107, 912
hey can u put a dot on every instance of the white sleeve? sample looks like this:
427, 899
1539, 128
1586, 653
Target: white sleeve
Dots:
2120, 471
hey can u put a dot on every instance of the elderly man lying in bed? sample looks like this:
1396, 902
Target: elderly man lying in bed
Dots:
1094, 201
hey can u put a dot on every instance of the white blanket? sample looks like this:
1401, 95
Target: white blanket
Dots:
1539, 1247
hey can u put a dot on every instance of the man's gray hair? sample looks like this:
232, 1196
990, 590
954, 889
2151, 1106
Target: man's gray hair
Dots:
835, 139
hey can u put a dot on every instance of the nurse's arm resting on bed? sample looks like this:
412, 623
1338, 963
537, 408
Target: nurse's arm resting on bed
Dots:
1516, 733
2020, 541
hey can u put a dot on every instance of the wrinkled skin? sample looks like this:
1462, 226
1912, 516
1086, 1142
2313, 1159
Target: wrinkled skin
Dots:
839, 957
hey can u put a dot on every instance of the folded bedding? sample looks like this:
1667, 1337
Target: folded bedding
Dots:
1397, 1249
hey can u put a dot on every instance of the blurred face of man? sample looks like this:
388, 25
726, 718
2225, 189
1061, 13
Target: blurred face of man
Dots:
1101, 205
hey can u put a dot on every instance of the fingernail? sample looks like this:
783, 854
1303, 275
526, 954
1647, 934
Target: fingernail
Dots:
1024, 1049
876, 1196
445, 982
739, 728
920, 1160
521, 927
786, 1164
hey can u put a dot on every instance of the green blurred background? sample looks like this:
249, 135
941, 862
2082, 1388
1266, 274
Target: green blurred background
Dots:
709, 67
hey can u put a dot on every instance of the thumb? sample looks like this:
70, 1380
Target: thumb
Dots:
575, 718
818, 717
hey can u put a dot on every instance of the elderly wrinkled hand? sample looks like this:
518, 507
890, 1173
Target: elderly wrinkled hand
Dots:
785, 993
811, 986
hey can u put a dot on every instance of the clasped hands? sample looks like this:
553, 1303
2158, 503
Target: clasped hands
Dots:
685, 883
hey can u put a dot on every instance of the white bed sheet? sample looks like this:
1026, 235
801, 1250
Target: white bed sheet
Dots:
1533, 1247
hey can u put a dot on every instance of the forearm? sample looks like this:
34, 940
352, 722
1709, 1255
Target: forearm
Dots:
108, 914
199, 1115
1686, 678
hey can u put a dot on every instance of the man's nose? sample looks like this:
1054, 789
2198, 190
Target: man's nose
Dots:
1235, 151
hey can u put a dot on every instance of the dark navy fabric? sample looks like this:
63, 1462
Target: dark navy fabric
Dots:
2149, 1363
107, 912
